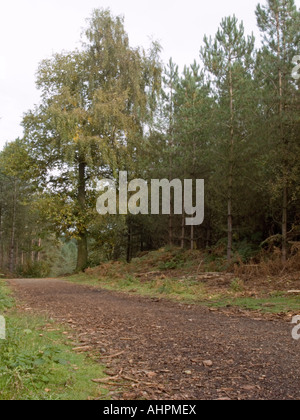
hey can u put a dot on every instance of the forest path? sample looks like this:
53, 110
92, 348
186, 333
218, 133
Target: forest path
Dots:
159, 347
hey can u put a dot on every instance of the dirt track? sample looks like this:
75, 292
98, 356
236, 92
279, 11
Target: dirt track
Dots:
163, 345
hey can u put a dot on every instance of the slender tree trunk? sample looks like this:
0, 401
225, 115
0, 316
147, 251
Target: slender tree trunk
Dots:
13, 231
16, 262
171, 227
230, 179
32, 250
192, 237
182, 230
230, 222
171, 122
82, 253
129, 247
284, 225
39, 251
285, 186
208, 235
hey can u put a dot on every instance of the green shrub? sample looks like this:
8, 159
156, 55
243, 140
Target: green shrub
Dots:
176, 262
244, 251
38, 269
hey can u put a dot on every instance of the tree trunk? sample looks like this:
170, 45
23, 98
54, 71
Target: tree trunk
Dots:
284, 251
13, 231
230, 179
192, 237
39, 251
284, 225
171, 134
82, 253
82, 247
171, 227
230, 223
32, 250
129, 248
208, 236
182, 230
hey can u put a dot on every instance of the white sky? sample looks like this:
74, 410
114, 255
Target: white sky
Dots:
31, 30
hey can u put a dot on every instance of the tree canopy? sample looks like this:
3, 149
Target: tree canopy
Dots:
230, 118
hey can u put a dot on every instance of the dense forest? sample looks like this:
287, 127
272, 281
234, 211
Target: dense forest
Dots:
230, 118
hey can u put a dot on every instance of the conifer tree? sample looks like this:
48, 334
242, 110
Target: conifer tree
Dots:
279, 23
229, 59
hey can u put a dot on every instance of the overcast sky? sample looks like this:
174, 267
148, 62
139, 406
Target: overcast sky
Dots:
31, 30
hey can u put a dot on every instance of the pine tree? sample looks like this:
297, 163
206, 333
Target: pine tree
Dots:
170, 81
229, 59
16, 169
193, 107
279, 23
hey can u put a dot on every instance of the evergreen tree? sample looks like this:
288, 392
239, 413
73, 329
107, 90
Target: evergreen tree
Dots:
193, 107
229, 59
279, 23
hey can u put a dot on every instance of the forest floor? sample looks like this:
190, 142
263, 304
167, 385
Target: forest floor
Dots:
154, 348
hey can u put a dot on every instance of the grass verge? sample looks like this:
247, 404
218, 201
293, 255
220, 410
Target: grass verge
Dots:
192, 291
37, 361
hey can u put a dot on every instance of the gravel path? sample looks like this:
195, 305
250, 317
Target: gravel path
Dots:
165, 350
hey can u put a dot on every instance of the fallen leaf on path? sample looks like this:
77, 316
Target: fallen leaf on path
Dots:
151, 374
249, 388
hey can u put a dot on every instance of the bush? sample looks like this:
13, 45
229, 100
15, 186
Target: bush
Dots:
245, 251
176, 261
38, 269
